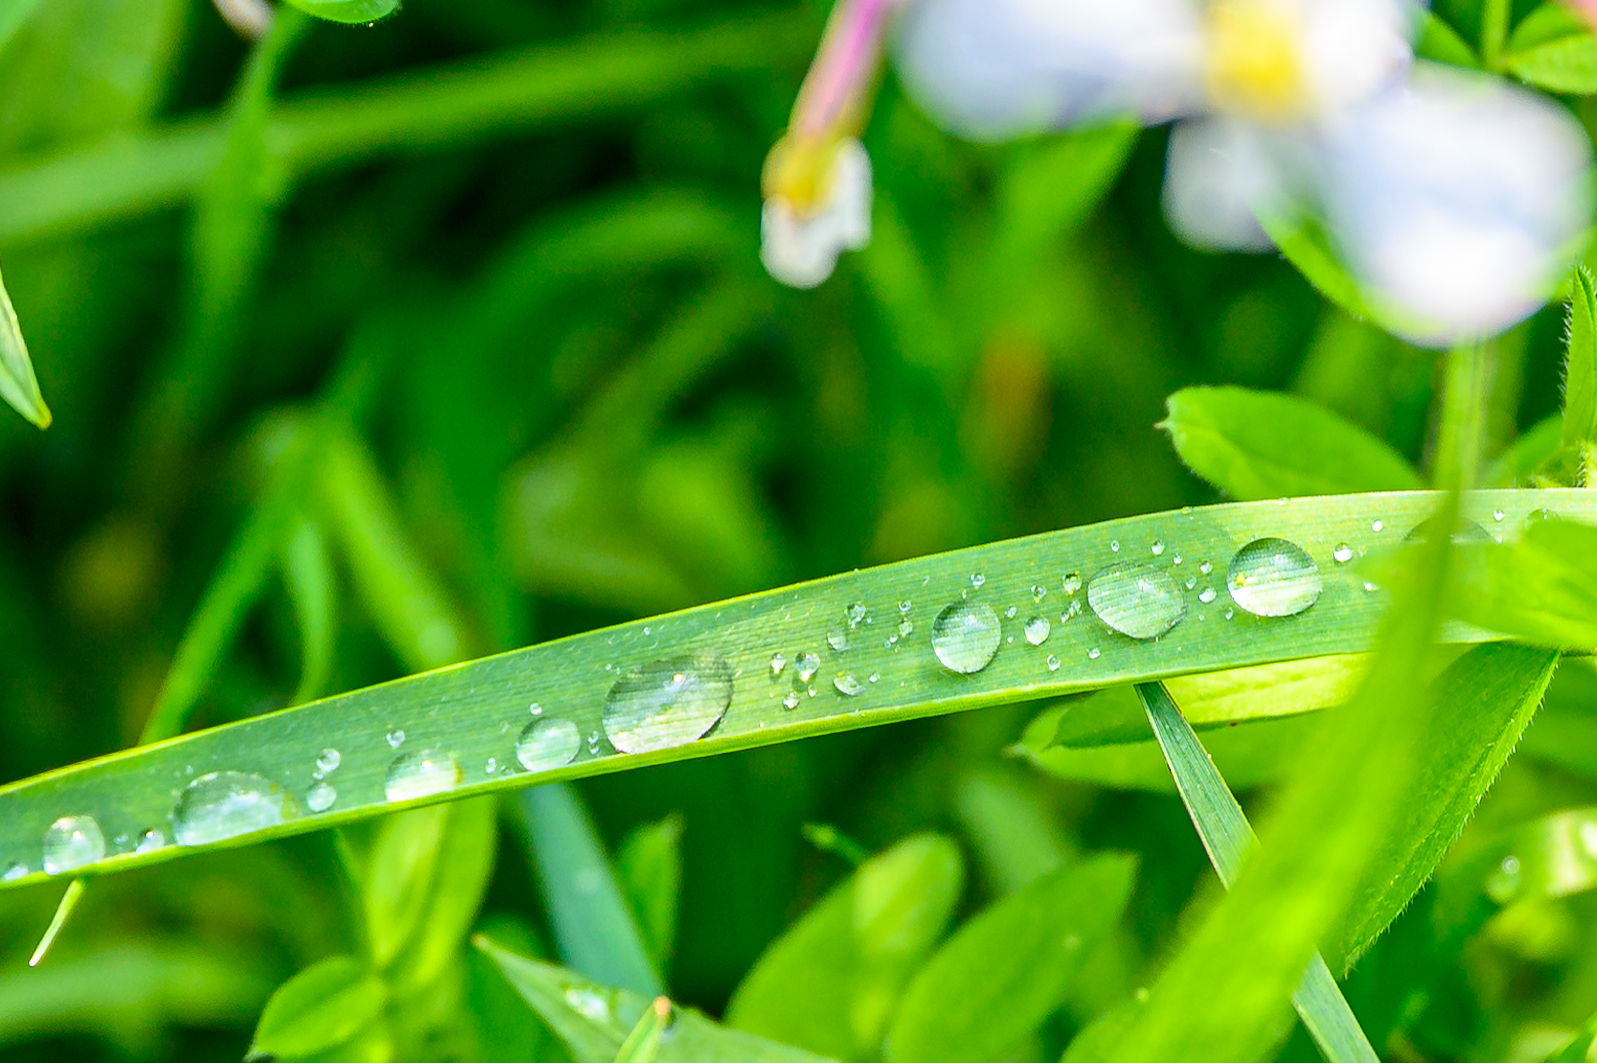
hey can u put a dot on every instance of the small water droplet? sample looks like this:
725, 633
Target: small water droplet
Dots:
151, 840
1229, 612
1371, 586
1497, 514
874, 677
536, 709
965, 636
792, 700
838, 640
1207, 595
320, 798
906, 628
846, 684
1071, 583
905, 606
1093, 654
329, 760
1274, 577
545, 744
1038, 593
1175, 559
1510, 865
1114, 545
1012, 612
1157, 548
1342, 554
672, 702
1136, 599
1071, 610
492, 767
1053, 663
226, 804
421, 773
1192, 582
808, 665
72, 842
892, 640
1206, 568
588, 1004
778, 662
593, 743
977, 579
1378, 526
14, 872
856, 614
1037, 630
396, 739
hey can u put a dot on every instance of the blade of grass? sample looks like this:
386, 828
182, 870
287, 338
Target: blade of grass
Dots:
473, 711
313, 592
1227, 837
18, 384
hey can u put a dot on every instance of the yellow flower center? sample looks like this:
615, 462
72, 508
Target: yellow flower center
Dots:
799, 171
1255, 59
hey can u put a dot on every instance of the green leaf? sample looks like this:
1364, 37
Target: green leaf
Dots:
351, 11
1000, 976
1015, 834
1261, 444
313, 592
1440, 43
1568, 64
1580, 364
594, 1020
649, 870
643, 1043
1305, 246
1548, 22
1527, 455
831, 982
1542, 589
18, 385
320, 1008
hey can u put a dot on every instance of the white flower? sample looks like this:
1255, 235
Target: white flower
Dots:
799, 244
1454, 200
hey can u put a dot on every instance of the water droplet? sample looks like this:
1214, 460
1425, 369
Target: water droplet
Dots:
421, 773
1192, 582
1158, 547
856, 614
906, 628
905, 606
1012, 612
965, 636
977, 579
1207, 595
838, 640
72, 842
1206, 568
808, 665
846, 684
1274, 577
320, 797
1378, 526
1073, 609
1497, 514
1053, 663
873, 677
1175, 559
1071, 583
225, 804
1037, 630
892, 640
396, 739
1038, 593
673, 702
537, 709
1136, 600
1114, 545
1093, 654
778, 662
792, 700
546, 744
150, 841
329, 760
14, 872
1229, 612
1342, 554
1371, 587
588, 1004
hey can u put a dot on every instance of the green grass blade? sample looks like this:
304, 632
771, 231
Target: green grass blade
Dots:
473, 713
18, 384
594, 929
313, 592
643, 1043
1580, 363
648, 867
1227, 837
440, 107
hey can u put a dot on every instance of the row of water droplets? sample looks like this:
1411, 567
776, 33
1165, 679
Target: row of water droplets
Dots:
678, 700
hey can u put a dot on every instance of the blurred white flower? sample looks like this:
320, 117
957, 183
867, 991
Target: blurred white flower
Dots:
1455, 200
800, 248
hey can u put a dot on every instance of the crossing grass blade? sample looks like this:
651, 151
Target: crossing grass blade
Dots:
472, 713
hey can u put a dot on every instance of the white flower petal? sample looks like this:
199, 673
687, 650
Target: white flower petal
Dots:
1354, 48
801, 250
990, 69
1459, 202
1219, 171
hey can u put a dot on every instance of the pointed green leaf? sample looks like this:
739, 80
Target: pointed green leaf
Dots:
831, 983
594, 1020
1527, 455
1542, 589
649, 870
1260, 444
643, 1043
1580, 363
320, 1008
18, 385
1000, 976
350, 11
1566, 64
313, 591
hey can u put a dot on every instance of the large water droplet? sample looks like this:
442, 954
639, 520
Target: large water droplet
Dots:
1037, 630
320, 798
671, 702
1274, 577
1137, 600
225, 804
965, 636
546, 744
420, 774
72, 842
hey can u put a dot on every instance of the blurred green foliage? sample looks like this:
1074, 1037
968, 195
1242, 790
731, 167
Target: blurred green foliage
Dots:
377, 347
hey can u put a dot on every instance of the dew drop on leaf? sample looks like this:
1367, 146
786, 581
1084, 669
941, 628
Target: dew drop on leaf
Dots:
838, 640
546, 744
977, 579
965, 636
329, 760
672, 702
792, 700
226, 804
421, 773
320, 798
1053, 663
1274, 577
14, 872
808, 665
1071, 583
846, 684
1342, 554
1037, 630
778, 662
72, 842
1207, 595
151, 840
396, 738
1136, 599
